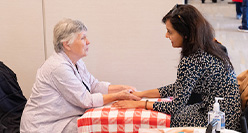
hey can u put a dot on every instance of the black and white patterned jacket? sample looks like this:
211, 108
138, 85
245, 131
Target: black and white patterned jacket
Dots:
204, 74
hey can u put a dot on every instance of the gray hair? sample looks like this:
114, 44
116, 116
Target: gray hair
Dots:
66, 30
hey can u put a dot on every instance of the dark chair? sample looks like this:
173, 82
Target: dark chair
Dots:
244, 121
12, 101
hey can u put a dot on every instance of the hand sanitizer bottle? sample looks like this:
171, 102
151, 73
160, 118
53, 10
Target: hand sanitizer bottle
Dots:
217, 115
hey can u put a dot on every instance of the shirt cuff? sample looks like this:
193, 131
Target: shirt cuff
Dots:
105, 86
97, 99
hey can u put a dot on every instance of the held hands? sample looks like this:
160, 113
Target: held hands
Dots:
126, 95
153, 93
120, 92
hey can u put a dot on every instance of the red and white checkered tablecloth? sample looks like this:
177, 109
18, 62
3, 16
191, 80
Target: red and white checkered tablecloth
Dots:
108, 119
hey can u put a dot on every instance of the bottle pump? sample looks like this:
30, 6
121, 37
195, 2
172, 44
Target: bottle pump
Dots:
216, 104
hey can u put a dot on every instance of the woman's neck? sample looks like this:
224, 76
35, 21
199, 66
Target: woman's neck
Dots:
72, 57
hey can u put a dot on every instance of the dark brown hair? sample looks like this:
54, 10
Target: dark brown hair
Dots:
197, 32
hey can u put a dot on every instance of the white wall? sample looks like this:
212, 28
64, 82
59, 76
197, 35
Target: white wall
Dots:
22, 40
128, 44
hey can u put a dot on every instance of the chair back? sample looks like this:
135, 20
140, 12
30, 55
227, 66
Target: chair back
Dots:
243, 88
12, 101
244, 121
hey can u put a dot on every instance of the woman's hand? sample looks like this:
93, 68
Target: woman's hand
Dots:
126, 95
129, 104
133, 104
118, 88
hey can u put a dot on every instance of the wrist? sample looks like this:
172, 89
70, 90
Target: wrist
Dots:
113, 89
146, 104
138, 94
114, 96
141, 94
141, 104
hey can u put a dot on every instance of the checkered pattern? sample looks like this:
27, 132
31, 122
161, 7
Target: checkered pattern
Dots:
112, 120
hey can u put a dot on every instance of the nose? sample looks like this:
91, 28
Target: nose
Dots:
87, 41
167, 35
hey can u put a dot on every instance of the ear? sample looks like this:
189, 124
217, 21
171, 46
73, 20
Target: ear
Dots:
66, 46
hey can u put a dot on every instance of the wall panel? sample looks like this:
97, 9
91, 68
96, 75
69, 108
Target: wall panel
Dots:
22, 40
128, 44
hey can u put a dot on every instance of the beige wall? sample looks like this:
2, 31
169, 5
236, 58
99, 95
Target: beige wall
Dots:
128, 44
22, 40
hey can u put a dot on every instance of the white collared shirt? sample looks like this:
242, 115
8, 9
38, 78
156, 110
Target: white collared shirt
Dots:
59, 96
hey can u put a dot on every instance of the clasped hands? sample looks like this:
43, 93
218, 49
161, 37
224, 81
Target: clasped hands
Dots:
127, 97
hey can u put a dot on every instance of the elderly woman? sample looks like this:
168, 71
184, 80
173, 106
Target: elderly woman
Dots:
204, 72
64, 89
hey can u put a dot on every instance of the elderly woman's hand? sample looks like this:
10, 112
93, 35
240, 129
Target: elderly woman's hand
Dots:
118, 88
121, 95
126, 95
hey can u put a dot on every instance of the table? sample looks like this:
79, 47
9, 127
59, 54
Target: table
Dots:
108, 119
179, 129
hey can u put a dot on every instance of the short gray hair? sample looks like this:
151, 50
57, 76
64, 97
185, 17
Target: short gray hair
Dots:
66, 30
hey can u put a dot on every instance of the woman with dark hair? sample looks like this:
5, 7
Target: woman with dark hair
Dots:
204, 72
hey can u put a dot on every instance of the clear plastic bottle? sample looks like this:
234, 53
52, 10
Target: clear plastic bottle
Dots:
217, 115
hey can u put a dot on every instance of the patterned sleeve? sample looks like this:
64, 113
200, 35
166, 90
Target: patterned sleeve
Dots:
189, 71
166, 91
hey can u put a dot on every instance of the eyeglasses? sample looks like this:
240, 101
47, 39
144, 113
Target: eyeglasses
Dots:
174, 12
